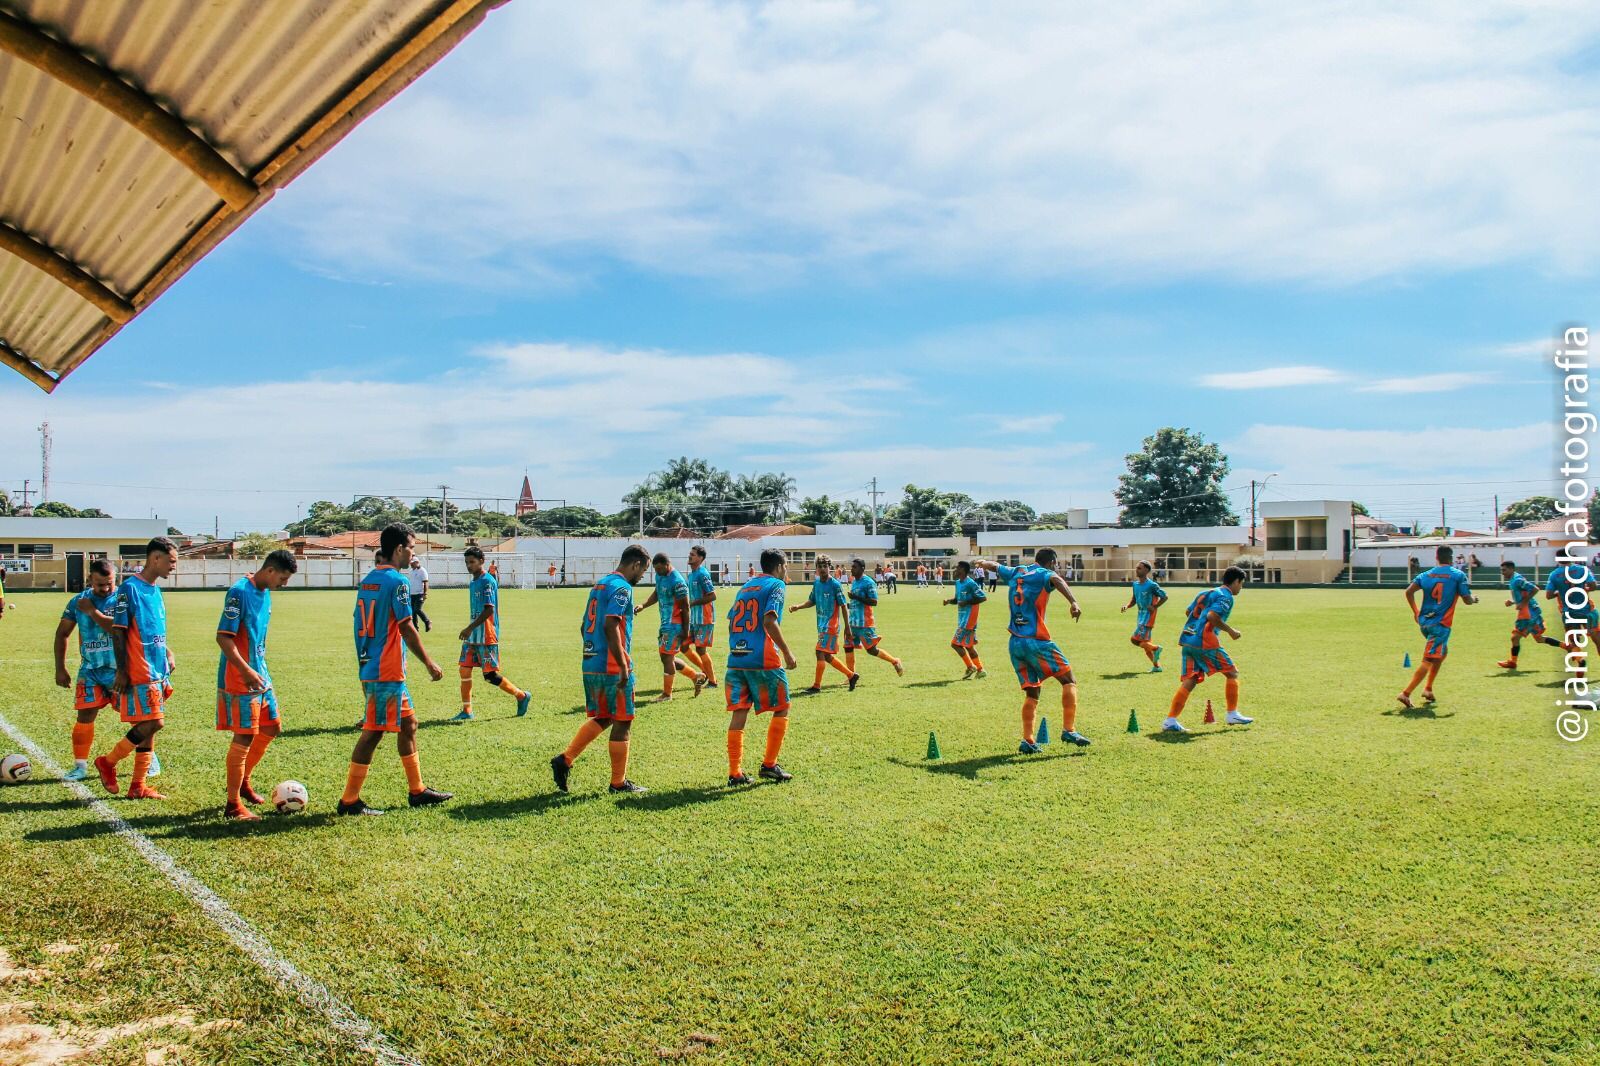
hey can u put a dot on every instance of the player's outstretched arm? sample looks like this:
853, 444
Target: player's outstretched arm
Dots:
64, 630
1217, 623
811, 601
651, 602
408, 633
1059, 583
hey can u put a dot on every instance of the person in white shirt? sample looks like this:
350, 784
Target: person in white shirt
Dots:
418, 578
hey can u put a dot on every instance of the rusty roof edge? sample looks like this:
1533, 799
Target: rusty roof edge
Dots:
409, 60
27, 368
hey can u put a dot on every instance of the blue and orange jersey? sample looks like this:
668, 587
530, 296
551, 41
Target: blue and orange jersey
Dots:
969, 594
1145, 595
828, 594
1523, 593
1441, 587
861, 608
246, 613
611, 597
141, 611
94, 644
382, 603
701, 586
484, 592
748, 646
672, 598
1198, 629
1573, 575
1030, 587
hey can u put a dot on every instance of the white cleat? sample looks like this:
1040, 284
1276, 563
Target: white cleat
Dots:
1235, 718
1172, 725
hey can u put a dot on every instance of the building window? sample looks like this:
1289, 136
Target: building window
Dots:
1099, 553
1280, 534
130, 551
1311, 534
1027, 553
8, 549
36, 549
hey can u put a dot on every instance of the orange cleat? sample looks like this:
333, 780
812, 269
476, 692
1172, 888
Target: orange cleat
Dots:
108, 773
143, 791
240, 813
249, 794
1405, 701
1507, 664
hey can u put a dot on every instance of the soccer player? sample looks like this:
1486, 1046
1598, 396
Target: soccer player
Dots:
969, 595
828, 597
757, 658
246, 705
1440, 586
1203, 654
702, 616
1148, 596
89, 612
1034, 656
863, 597
671, 597
384, 629
142, 683
608, 670
1569, 586
480, 641
1529, 620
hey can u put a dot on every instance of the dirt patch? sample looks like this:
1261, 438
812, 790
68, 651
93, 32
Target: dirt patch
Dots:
11, 973
693, 1044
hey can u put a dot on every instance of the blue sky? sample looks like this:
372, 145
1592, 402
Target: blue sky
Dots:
850, 240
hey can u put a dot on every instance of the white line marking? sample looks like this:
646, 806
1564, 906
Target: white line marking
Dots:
313, 993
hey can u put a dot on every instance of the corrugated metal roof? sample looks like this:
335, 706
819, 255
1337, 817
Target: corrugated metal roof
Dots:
106, 181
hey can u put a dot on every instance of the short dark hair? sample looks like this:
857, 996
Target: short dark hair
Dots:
660, 557
633, 553
1445, 554
394, 535
473, 552
160, 544
857, 559
771, 559
1045, 556
102, 566
964, 565
1144, 563
281, 560
698, 549
1234, 573
1507, 562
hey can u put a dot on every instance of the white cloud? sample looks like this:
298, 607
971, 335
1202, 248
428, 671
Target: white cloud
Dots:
1022, 426
1538, 346
1428, 383
755, 141
1273, 377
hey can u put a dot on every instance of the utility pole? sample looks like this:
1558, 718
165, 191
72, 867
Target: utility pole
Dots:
1252, 512
1442, 524
444, 510
45, 441
875, 494
26, 492
1497, 514
641, 517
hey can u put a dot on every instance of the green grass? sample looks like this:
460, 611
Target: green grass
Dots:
1337, 882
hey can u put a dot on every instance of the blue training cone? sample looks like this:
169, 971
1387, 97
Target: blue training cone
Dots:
1044, 732
1407, 663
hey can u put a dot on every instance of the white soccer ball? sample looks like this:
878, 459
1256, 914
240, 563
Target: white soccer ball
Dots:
290, 797
14, 768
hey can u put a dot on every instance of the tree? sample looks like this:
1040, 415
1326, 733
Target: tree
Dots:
1594, 518
56, 509
428, 516
997, 514
565, 522
925, 512
482, 522
819, 511
6, 510
1361, 509
324, 519
1532, 509
692, 492
255, 546
1175, 481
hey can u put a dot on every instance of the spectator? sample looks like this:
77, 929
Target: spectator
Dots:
891, 580
552, 573
417, 577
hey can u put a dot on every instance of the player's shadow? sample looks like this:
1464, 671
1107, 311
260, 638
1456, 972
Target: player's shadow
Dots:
1424, 713
1125, 675
149, 824
971, 768
934, 684
539, 804
212, 826
349, 729
1163, 736
672, 799
59, 804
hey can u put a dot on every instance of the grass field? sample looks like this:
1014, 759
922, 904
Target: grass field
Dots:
1336, 882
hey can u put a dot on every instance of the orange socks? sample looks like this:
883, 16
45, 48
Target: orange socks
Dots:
822, 668
82, 740
966, 660
413, 765
120, 750
1069, 707
1150, 650
141, 766
775, 731
1232, 692
586, 734
353, 782
1030, 706
235, 762
258, 748
1416, 678
833, 661
977, 663
850, 661
666, 684
510, 689
1179, 698
686, 670
702, 658
1433, 672
735, 752
619, 761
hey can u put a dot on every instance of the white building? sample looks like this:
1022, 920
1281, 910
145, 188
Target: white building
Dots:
54, 553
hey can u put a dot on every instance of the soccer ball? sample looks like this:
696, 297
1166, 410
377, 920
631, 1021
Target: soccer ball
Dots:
15, 768
290, 797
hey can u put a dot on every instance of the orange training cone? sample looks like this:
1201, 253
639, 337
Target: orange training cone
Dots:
1211, 716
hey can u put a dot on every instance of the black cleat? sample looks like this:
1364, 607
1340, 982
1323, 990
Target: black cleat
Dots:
735, 780
814, 690
358, 807
710, 683
853, 679
429, 797
561, 770
776, 773
628, 786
